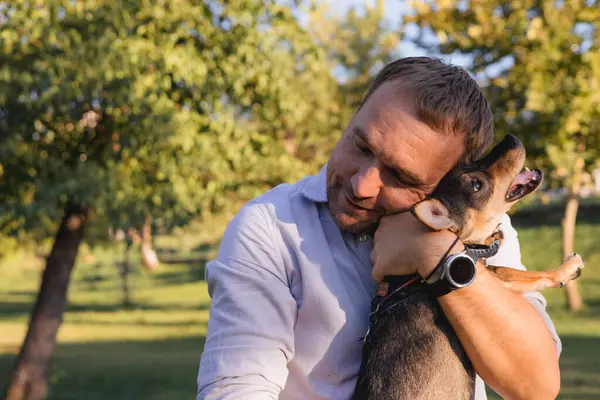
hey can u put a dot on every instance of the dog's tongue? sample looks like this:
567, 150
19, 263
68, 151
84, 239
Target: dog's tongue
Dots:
523, 184
524, 178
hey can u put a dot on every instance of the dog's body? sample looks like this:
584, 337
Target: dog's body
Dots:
411, 351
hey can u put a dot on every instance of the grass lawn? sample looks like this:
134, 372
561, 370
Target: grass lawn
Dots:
152, 351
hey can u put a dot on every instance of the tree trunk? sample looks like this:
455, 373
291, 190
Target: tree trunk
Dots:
149, 257
124, 269
29, 380
574, 301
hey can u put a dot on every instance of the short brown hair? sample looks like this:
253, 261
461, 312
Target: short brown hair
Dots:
447, 99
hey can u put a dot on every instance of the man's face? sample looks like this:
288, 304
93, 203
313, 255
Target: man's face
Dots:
386, 161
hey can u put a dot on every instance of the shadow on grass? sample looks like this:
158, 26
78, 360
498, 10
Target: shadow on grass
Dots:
590, 310
189, 272
135, 323
11, 310
21, 302
119, 370
79, 307
580, 368
167, 369
22, 293
205, 247
552, 215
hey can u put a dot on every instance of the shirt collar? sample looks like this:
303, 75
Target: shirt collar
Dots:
315, 188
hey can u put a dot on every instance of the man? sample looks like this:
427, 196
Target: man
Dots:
291, 286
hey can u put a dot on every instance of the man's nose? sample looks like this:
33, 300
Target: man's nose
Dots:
366, 183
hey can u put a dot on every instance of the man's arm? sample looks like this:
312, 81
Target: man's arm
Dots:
508, 336
250, 331
505, 338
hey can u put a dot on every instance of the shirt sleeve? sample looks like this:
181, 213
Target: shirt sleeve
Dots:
250, 330
509, 255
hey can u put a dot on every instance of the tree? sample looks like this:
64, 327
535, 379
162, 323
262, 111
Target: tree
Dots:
572, 154
539, 64
358, 44
119, 111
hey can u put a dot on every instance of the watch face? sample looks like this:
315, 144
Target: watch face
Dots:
461, 271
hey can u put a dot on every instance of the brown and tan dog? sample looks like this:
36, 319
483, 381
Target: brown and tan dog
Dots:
411, 351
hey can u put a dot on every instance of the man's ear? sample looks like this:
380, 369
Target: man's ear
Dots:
434, 214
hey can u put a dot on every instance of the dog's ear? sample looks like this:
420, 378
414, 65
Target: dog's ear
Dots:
435, 215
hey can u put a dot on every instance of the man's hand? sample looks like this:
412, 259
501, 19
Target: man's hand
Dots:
404, 245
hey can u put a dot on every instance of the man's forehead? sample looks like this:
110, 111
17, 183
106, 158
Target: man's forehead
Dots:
405, 143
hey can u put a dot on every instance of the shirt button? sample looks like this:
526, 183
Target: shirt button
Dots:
363, 238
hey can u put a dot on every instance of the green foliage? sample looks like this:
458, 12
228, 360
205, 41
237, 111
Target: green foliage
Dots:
538, 60
358, 44
170, 109
564, 157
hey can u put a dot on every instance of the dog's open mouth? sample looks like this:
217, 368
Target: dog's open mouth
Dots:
525, 183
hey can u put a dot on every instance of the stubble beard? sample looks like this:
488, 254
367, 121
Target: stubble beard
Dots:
344, 221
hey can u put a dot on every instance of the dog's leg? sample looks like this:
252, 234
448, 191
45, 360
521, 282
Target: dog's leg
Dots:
526, 281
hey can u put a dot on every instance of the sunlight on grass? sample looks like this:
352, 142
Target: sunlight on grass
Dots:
580, 333
152, 350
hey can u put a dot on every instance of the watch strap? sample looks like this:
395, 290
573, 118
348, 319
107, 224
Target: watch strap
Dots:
437, 271
437, 282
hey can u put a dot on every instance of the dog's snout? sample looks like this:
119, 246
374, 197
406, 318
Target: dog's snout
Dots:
511, 142
510, 145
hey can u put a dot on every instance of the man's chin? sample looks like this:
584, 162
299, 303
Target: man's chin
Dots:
345, 219
353, 225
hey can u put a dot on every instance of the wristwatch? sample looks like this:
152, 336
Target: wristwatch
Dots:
454, 272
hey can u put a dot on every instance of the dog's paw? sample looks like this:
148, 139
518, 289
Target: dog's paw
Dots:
569, 270
573, 256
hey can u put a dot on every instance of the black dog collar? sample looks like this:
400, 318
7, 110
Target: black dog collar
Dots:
395, 290
481, 251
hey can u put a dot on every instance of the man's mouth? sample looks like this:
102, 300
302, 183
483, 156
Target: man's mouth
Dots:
356, 204
523, 184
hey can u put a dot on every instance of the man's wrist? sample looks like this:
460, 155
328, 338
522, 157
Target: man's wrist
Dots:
425, 271
457, 246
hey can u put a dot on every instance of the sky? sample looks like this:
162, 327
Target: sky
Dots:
394, 9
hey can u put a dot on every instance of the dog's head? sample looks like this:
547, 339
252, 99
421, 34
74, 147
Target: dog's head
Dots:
471, 199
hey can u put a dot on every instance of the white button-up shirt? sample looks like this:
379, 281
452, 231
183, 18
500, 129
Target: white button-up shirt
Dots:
291, 294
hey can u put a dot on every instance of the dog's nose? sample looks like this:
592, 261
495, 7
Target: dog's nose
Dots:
510, 142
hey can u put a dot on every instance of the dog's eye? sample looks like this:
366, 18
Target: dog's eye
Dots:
476, 185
